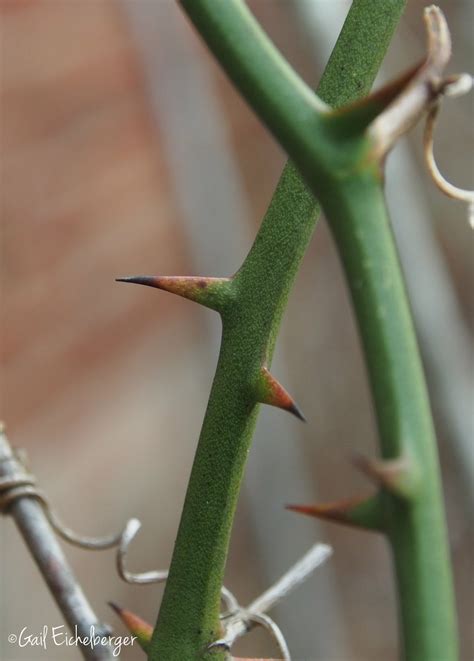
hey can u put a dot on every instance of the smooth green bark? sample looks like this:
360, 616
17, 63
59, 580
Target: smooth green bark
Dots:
189, 616
414, 523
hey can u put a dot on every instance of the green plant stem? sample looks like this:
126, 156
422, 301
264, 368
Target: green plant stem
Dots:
414, 524
339, 167
189, 616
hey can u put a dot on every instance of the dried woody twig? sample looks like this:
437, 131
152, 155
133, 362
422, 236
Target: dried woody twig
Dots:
20, 497
240, 620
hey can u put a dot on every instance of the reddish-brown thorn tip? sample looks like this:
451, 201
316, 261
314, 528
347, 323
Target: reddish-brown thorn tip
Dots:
137, 627
210, 292
366, 513
339, 511
270, 391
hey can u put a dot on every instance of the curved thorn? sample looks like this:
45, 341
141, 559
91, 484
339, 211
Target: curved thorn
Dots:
213, 293
135, 624
361, 512
355, 117
421, 90
270, 391
394, 108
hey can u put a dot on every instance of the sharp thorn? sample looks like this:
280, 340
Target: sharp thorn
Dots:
359, 114
147, 280
137, 627
115, 607
361, 512
294, 408
338, 510
270, 391
213, 293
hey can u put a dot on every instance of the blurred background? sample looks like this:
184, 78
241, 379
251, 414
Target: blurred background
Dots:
125, 150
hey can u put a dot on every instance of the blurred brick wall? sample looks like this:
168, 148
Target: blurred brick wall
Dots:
84, 197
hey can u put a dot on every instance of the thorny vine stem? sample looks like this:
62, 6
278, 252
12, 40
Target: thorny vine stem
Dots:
252, 303
341, 160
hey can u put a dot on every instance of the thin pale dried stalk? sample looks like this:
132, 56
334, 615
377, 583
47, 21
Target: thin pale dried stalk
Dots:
456, 86
423, 88
22, 504
245, 619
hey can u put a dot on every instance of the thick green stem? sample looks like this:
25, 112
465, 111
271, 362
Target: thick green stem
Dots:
188, 619
339, 167
415, 524
189, 616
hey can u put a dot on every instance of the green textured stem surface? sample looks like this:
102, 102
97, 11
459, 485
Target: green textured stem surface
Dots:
189, 616
339, 168
415, 525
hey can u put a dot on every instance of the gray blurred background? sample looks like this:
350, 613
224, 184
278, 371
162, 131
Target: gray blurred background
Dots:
125, 150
